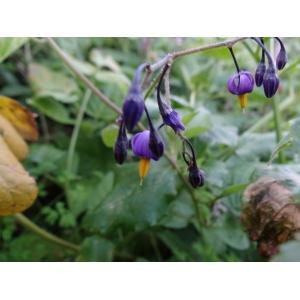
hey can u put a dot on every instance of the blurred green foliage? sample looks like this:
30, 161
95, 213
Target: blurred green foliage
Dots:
87, 199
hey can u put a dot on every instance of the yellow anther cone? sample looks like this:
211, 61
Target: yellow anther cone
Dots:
243, 101
144, 166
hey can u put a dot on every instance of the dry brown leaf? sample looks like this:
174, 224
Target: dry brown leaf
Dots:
18, 190
270, 215
20, 117
13, 140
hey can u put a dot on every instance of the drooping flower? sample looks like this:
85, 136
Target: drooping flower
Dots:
259, 74
241, 84
169, 115
196, 176
141, 148
140, 145
156, 143
281, 58
133, 106
271, 82
120, 148
261, 69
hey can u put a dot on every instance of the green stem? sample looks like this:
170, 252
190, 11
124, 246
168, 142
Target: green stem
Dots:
44, 234
277, 123
76, 129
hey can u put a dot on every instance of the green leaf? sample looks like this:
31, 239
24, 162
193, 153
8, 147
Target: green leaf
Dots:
96, 249
104, 61
295, 134
181, 249
47, 83
109, 135
9, 45
289, 251
255, 145
38, 160
180, 212
285, 143
52, 109
88, 193
130, 205
200, 123
221, 135
236, 188
229, 231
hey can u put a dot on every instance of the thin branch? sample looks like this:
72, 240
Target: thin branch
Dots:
167, 85
44, 234
84, 79
172, 56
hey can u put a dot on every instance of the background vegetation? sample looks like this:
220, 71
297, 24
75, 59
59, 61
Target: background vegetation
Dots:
88, 200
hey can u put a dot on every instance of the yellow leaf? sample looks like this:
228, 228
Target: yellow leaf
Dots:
20, 117
12, 138
18, 190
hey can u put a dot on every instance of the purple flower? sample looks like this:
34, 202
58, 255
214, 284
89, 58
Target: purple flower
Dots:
170, 117
240, 83
271, 82
140, 145
120, 149
196, 176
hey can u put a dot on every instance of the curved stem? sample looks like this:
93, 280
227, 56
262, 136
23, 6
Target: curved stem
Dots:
159, 101
262, 52
45, 234
76, 129
234, 59
270, 59
84, 79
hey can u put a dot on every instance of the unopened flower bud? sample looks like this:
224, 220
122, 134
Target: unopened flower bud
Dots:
196, 176
260, 72
281, 58
270, 82
120, 149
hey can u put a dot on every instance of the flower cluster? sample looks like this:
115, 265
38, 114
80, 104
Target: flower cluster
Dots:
148, 144
242, 82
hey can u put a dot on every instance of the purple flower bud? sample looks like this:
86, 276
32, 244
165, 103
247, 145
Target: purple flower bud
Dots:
120, 149
156, 143
281, 58
196, 176
133, 106
260, 72
240, 83
140, 145
271, 82
170, 117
